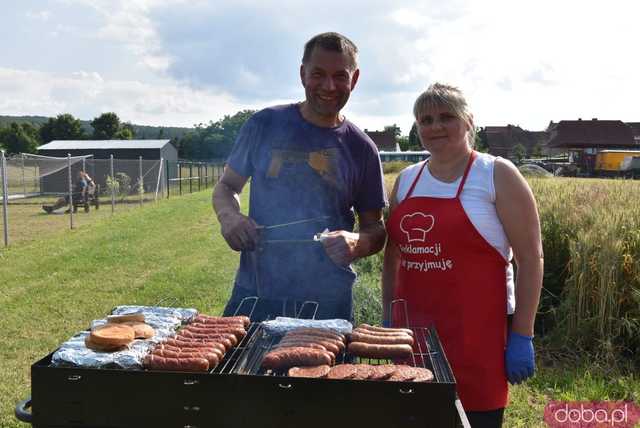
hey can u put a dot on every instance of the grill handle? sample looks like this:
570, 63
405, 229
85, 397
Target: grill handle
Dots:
21, 411
462, 421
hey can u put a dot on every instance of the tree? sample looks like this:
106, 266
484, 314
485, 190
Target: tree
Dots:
62, 127
414, 141
393, 128
214, 140
126, 132
518, 152
105, 126
20, 138
481, 143
537, 151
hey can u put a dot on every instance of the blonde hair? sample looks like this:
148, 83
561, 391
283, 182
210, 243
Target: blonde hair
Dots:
449, 97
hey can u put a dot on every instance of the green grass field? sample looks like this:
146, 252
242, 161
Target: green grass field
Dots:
54, 286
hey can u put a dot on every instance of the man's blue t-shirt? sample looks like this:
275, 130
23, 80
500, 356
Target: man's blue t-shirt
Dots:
300, 171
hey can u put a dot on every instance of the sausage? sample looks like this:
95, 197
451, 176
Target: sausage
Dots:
326, 343
298, 336
208, 340
385, 329
195, 343
155, 362
208, 319
381, 340
214, 336
209, 356
218, 352
379, 333
305, 345
285, 358
238, 331
324, 332
294, 344
370, 350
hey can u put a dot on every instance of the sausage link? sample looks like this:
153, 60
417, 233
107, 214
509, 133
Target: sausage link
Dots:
381, 340
209, 356
305, 345
324, 332
155, 362
326, 343
336, 342
218, 352
285, 358
208, 319
370, 350
385, 329
195, 343
379, 333
187, 333
238, 331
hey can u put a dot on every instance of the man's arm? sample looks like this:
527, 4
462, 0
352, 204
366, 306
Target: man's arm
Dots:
238, 230
344, 247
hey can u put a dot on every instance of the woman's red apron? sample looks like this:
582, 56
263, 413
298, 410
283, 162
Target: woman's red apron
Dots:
451, 276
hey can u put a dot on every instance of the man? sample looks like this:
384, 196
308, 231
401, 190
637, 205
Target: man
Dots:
310, 169
79, 191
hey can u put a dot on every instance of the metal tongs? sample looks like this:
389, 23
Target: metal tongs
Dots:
317, 237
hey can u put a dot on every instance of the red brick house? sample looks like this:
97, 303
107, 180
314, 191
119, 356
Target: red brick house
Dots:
585, 138
503, 139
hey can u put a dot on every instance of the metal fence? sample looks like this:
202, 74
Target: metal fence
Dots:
38, 192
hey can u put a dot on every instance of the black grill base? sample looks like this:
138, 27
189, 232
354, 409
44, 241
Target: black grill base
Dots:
74, 397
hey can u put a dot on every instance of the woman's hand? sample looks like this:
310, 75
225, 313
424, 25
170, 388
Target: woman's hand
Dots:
519, 358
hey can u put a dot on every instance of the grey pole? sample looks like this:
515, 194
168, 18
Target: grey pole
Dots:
70, 191
159, 178
24, 184
140, 183
113, 188
5, 199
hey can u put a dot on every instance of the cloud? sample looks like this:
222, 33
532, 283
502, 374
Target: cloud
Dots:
522, 63
88, 94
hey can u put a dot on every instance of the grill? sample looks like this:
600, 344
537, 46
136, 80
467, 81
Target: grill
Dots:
238, 393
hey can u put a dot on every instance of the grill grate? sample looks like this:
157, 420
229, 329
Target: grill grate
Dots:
258, 343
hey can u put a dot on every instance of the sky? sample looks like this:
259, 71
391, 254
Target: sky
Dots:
185, 62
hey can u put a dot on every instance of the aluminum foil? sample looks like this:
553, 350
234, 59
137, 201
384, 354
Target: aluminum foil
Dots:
164, 320
281, 325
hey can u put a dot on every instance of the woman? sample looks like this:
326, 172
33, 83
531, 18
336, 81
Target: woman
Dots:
455, 222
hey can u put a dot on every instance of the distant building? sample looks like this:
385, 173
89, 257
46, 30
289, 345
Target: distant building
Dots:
103, 149
384, 140
126, 154
635, 130
503, 139
583, 139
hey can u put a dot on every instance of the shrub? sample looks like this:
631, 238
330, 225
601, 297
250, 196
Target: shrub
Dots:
119, 185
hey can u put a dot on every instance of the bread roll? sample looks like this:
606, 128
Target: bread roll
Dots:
112, 335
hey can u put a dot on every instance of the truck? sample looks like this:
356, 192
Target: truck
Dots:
617, 163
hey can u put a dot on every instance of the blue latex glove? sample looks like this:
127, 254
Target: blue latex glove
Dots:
519, 357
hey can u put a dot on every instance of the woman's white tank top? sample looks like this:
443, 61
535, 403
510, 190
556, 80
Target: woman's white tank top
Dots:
478, 199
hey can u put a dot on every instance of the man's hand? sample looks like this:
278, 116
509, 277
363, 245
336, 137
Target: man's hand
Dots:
519, 357
240, 231
340, 246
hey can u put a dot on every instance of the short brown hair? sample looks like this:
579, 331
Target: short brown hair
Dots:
332, 42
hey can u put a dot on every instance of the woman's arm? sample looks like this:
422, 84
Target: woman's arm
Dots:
390, 264
517, 211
